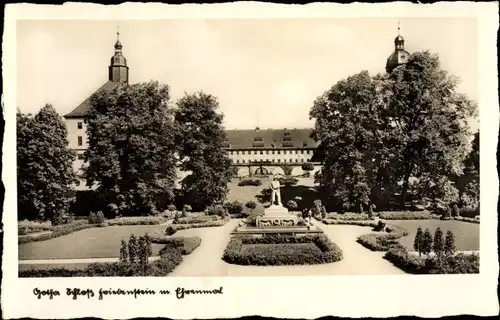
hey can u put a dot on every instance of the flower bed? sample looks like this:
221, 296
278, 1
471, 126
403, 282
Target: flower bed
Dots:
216, 223
382, 241
407, 215
281, 250
199, 219
457, 264
170, 258
348, 216
131, 221
186, 245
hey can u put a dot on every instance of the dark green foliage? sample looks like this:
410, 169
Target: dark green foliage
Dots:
124, 252
44, 166
323, 212
382, 242
185, 245
131, 148
170, 230
292, 205
57, 231
96, 217
438, 244
288, 181
250, 182
171, 207
282, 250
251, 205
201, 138
217, 210
196, 219
418, 242
215, 223
308, 166
449, 243
454, 210
427, 242
133, 249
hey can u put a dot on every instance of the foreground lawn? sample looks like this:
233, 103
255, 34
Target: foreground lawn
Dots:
466, 234
88, 243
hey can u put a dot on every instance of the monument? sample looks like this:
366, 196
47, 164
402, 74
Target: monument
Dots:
276, 215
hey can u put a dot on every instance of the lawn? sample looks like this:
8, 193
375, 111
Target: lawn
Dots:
88, 243
466, 234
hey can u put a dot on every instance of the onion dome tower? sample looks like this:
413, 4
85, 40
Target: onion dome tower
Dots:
118, 69
399, 56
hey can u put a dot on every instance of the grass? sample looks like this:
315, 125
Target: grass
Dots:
282, 248
88, 243
466, 234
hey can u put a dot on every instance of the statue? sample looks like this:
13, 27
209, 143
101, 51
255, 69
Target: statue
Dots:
275, 192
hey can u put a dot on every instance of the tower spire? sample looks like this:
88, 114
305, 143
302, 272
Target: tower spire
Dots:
117, 31
398, 28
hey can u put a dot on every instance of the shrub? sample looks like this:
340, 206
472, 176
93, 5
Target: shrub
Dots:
407, 215
96, 217
348, 216
417, 243
369, 223
251, 205
288, 181
449, 243
235, 207
292, 205
133, 221
282, 250
427, 242
171, 208
216, 210
380, 226
187, 208
469, 212
124, 252
438, 244
454, 210
250, 182
176, 227
308, 166
170, 230
384, 241
190, 220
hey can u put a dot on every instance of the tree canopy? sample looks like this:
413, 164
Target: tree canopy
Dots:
131, 151
44, 166
387, 134
201, 138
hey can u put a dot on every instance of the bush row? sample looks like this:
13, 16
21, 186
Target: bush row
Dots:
199, 219
186, 245
408, 215
170, 258
409, 263
250, 182
282, 250
350, 216
368, 223
466, 219
27, 226
130, 221
60, 230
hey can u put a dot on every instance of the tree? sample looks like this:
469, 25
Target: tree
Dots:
124, 258
251, 205
428, 121
438, 245
472, 160
418, 242
44, 166
449, 243
201, 138
131, 148
308, 167
292, 205
427, 242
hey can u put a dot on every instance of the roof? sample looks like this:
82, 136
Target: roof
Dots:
82, 109
268, 138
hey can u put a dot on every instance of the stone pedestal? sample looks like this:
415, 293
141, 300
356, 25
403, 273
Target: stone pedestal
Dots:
276, 216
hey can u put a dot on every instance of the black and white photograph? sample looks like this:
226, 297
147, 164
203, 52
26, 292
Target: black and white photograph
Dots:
250, 148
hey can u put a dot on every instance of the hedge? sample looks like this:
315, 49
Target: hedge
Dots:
186, 245
368, 223
132, 221
58, 231
348, 216
26, 227
382, 241
170, 258
466, 219
282, 250
216, 223
407, 215
250, 182
199, 219
458, 264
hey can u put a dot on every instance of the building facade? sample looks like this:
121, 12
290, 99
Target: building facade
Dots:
252, 152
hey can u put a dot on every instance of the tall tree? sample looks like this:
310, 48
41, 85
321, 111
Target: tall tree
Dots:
201, 138
430, 121
348, 126
44, 166
131, 151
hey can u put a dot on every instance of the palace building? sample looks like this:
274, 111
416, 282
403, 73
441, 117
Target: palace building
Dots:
258, 151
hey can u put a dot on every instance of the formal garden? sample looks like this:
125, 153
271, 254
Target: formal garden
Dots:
397, 192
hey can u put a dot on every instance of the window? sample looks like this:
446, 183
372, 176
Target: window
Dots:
243, 161
237, 161
267, 151
303, 160
79, 125
237, 152
278, 152
255, 152
80, 140
80, 156
296, 160
301, 151
308, 151
261, 152
279, 160
284, 160
272, 152
284, 151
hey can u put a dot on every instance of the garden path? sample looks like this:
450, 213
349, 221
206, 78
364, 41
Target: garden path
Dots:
206, 260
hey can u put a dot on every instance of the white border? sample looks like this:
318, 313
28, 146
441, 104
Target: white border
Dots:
298, 297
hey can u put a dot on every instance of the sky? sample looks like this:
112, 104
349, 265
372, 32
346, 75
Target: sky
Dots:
264, 73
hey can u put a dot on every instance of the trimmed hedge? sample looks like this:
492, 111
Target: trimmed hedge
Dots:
199, 219
348, 216
58, 231
282, 250
458, 264
407, 215
186, 245
216, 223
170, 258
250, 182
466, 219
382, 241
134, 221
368, 223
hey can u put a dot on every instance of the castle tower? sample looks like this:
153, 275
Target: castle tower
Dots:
118, 69
399, 56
